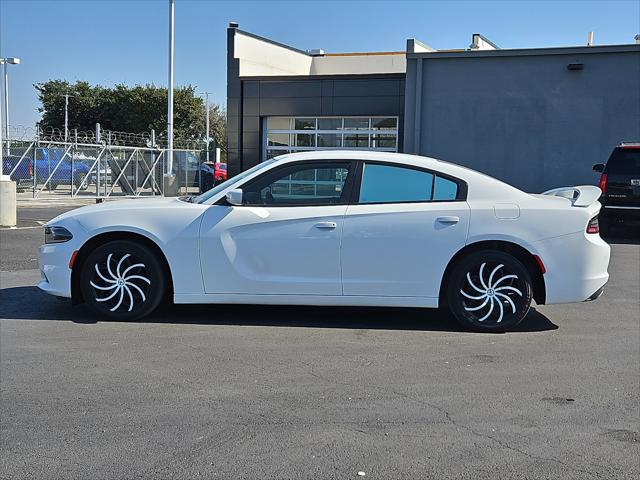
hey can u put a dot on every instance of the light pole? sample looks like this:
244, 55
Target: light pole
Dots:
206, 102
66, 116
170, 95
6, 61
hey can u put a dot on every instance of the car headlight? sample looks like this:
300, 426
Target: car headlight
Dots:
56, 235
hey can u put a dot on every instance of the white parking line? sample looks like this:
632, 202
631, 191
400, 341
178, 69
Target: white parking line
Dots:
21, 228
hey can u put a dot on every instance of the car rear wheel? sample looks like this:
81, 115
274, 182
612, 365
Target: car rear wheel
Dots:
489, 291
122, 280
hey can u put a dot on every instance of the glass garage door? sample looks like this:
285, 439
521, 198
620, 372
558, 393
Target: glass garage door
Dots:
300, 134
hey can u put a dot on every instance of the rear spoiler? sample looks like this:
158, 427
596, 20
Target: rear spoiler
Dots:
580, 196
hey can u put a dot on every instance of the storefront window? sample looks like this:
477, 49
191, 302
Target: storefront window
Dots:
299, 134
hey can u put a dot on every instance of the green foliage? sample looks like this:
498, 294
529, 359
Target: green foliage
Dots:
136, 109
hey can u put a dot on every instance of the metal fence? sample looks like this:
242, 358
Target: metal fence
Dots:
96, 167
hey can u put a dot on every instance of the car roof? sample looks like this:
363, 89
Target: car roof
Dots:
390, 157
354, 155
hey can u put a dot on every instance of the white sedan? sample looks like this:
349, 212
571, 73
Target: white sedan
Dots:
336, 228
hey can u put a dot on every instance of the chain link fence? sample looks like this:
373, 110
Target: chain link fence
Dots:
98, 164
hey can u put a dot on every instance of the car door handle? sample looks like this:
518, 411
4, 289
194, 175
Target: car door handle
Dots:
326, 225
448, 219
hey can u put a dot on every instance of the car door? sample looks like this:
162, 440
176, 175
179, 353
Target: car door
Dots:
401, 231
284, 238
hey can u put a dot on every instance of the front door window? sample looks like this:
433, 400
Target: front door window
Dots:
309, 184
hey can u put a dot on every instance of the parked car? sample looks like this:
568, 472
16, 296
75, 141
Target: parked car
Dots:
47, 167
313, 228
211, 174
620, 185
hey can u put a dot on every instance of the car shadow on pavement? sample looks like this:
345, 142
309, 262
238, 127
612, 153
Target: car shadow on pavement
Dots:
29, 303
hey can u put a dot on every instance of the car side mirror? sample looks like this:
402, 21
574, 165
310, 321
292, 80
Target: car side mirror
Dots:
598, 167
234, 197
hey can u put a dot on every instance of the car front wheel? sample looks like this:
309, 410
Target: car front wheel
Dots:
122, 280
489, 291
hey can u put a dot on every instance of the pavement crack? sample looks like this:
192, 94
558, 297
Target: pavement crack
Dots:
502, 443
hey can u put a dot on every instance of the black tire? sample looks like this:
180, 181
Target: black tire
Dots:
493, 308
122, 280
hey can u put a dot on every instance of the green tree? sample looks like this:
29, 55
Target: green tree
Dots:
136, 109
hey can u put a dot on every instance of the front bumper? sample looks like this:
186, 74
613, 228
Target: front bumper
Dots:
53, 260
55, 274
576, 266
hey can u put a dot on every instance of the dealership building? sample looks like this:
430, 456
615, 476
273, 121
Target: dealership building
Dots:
536, 118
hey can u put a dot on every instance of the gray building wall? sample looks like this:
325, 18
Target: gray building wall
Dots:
251, 98
521, 115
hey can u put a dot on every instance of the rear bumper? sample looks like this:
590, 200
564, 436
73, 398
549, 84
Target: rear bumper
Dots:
576, 267
597, 294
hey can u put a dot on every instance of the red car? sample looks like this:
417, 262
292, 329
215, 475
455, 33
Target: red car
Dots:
212, 174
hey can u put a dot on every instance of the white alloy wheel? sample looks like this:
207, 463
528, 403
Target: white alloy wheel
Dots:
492, 295
123, 280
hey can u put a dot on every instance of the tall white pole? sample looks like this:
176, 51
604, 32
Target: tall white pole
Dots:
207, 107
8, 211
170, 96
1, 146
6, 101
6, 104
66, 117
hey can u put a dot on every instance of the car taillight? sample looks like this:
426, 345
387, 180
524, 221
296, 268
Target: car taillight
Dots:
593, 226
603, 183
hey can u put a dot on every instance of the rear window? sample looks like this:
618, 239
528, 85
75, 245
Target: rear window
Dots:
625, 161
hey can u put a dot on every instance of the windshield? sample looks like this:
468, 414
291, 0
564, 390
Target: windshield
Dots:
219, 188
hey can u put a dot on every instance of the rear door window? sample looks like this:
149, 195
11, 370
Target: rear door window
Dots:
396, 184
387, 184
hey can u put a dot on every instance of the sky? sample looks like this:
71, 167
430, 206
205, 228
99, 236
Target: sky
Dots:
126, 41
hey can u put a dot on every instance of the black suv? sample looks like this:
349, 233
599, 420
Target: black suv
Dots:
620, 185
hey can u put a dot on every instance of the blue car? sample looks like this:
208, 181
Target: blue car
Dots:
45, 166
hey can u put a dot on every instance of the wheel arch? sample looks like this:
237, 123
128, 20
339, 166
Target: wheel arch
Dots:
91, 243
517, 251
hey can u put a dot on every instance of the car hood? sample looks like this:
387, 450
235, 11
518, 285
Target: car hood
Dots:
120, 207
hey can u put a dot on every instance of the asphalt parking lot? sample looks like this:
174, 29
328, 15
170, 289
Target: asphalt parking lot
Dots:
297, 392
